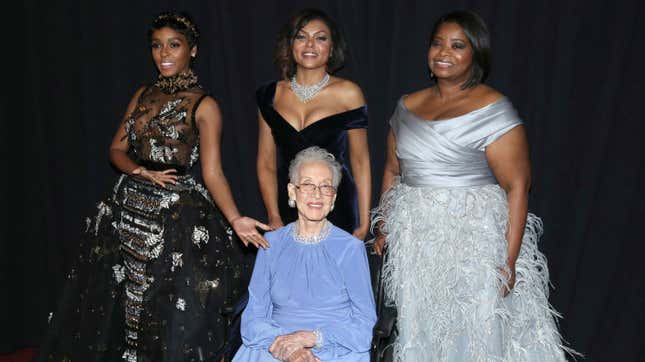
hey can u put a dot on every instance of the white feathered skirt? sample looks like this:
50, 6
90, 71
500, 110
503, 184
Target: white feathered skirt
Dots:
446, 247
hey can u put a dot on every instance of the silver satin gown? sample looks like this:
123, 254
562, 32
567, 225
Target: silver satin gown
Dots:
445, 220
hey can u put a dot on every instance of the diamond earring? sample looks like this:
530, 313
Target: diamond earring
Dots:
292, 203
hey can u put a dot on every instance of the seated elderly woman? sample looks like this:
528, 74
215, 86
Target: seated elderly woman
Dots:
310, 296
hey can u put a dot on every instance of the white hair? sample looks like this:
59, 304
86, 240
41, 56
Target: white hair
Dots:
315, 154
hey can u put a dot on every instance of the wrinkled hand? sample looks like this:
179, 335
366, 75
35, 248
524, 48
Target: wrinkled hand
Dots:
160, 178
360, 232
302, 355
275, 222
509, 274
283, 346
246, 228
379, 244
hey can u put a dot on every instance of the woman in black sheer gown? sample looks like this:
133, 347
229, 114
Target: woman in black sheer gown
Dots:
160, 260
308, 107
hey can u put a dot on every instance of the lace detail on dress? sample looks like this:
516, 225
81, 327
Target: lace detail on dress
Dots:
162, 128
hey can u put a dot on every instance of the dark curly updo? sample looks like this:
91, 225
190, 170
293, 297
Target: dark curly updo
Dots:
283, 57
178, 21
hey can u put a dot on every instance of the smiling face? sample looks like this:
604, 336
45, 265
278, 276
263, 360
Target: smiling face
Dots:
450, 55
171, 52
311, 47
312, 206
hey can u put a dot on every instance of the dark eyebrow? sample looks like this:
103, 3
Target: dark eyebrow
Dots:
317, 32
169, 39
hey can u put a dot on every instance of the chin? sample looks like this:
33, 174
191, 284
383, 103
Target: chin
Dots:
317, 217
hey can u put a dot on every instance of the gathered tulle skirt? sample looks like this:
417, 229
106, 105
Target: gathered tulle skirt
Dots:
446, 249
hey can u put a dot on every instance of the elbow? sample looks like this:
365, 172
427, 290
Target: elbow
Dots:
114, 154
266, 169
520, 185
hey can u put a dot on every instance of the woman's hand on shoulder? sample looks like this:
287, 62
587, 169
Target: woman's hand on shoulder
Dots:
246, 229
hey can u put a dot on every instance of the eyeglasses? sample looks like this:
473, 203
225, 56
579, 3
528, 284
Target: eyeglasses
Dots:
327, 190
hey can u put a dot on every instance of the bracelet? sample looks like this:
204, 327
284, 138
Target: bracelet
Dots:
319, 339
234, 219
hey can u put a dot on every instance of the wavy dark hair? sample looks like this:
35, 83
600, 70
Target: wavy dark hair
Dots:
283, 56
180, 22
476, 31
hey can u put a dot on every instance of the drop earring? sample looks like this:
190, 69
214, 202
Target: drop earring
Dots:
292, 203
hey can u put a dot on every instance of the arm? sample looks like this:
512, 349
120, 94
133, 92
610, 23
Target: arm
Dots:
258, 329
360, 161
355, 333
508, 158
391, 171
119, 152
267, 172
209, 121
359, 157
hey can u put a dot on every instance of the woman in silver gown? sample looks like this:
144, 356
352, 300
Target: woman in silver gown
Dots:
463, 268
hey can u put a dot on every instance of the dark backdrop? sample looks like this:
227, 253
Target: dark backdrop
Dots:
574, 71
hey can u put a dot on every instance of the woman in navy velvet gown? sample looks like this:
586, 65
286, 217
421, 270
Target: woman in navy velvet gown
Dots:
308, 107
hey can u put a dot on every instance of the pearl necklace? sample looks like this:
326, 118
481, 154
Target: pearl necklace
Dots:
306, 92
324, 233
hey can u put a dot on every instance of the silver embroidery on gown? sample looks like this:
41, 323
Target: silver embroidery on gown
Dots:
157, 265
445, 220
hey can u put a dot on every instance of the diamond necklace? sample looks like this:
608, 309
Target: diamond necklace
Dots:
306, 92
324, 233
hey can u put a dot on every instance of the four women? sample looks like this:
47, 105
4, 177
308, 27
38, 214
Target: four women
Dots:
159, 261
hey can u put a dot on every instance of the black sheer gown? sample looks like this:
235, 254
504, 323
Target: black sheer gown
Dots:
329, 133
157, 265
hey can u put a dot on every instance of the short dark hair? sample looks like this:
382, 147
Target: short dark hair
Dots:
180, 22
476, 31
283, 57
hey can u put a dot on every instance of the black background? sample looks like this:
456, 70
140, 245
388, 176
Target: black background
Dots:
573, 69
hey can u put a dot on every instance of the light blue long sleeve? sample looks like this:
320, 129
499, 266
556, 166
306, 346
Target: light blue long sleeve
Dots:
258, 329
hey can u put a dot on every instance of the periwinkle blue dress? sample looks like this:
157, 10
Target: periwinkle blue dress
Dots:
305, 287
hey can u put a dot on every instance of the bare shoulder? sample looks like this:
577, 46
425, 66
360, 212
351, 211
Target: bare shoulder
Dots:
349, 92
415, 99
486, 94
207, 109
282, 84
